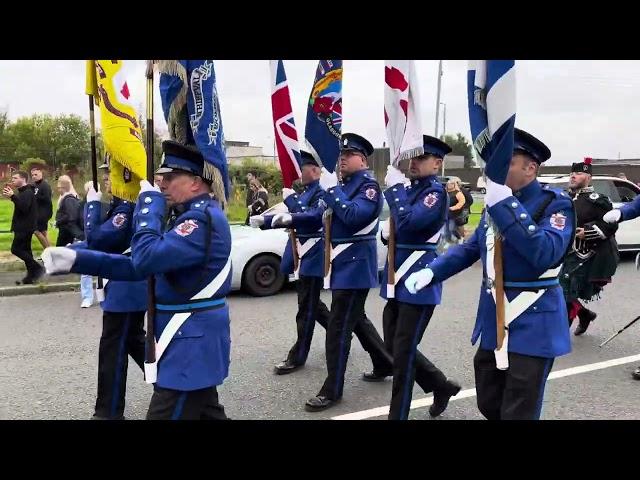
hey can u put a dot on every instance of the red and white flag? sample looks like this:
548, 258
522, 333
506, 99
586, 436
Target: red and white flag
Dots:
283, 125
402, 110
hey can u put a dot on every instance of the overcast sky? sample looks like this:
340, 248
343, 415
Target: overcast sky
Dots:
578, 108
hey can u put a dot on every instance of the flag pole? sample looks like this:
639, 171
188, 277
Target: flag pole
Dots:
94, 156
150, 350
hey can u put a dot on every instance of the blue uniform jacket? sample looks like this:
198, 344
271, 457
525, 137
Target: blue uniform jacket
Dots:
113, 235
529, 249
306, 211
419, 212
184, 260
631, 210
356, 204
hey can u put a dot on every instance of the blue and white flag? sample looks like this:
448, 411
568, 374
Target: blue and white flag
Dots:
491, 88
323, 129
192, 111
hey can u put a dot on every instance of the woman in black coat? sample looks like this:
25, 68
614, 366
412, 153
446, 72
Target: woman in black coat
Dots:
69, 215
260, 201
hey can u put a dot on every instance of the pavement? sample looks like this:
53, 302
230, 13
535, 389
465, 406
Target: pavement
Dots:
49, 346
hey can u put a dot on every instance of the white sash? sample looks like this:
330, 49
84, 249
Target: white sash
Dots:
406, 265
514, 308
178, 319
343, 246
303, 249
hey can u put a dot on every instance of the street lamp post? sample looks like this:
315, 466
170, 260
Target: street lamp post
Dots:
444, 127
438, 97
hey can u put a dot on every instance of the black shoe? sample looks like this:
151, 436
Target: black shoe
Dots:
285, 367
25, 281
586, 317
98, 417
441, 398
636, 374
38, 275
374, 376
318, 403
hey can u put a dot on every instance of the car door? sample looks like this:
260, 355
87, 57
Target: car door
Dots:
628, 234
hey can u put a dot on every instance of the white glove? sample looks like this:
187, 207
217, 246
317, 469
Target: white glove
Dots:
327, 179
385, 230
612, 216
145, 186
287, 192
92, 195
256, 221
496, 192
394, 177
58, 259
281, 220
418, 280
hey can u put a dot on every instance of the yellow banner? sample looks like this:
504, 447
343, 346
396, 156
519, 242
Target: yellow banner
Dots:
121, 130
91, 83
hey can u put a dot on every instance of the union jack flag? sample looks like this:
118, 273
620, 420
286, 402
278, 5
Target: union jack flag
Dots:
283, 125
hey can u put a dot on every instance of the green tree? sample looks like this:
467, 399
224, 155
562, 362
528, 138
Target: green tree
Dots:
63, 141
4, 121
6, 142
29, 163
460, 146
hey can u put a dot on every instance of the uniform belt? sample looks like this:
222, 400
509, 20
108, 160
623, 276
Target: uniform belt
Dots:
417, 246
359, 238
308, 235
192, 305
541, 283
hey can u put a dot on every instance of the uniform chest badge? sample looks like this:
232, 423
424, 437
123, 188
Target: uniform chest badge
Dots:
118, 220
371, 193
186, 228
594, 196
430, 200
558, 221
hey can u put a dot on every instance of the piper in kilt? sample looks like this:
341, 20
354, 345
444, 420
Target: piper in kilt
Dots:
593, 258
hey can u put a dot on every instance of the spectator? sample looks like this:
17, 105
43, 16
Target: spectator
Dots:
458, 216
622, 176
86, 281
45, 205
250, 176
23, 223
69, 216
260, 197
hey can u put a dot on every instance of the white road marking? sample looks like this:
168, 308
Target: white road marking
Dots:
471, 392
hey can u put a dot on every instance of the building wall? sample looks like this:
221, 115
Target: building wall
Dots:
238, 152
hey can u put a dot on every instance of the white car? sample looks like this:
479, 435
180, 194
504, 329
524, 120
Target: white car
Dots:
619, 192
256, 254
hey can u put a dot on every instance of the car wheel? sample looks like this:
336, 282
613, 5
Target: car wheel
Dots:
483, 191
262, 276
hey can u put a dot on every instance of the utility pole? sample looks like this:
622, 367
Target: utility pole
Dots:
438, 97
